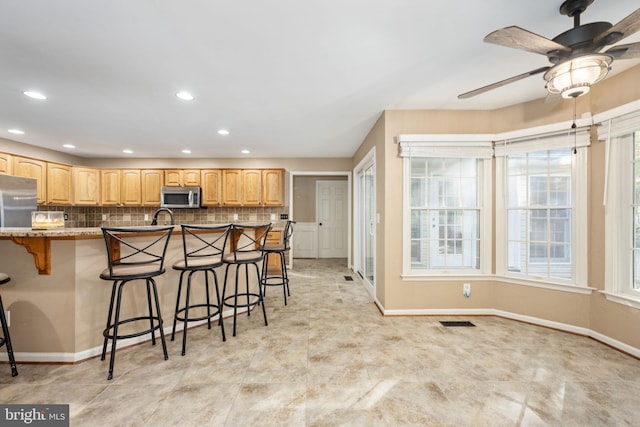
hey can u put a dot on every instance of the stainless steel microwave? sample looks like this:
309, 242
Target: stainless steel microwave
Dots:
180, 197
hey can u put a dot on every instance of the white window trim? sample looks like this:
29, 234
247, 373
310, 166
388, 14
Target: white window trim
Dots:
467, 146
618, 215
579, 214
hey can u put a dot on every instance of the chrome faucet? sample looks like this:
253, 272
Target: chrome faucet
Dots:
155, 216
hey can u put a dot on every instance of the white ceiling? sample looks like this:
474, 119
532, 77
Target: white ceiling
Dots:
287, 78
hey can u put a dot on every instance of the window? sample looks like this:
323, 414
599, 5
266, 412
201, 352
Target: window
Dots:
445, 216
622, 208
541, 208
447, 212
539, 213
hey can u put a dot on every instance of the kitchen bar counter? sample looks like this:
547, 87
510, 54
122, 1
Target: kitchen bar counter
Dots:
58, 310
38, 242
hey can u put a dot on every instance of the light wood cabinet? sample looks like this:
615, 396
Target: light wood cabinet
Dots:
30, 168
86, 186
191, 177
251, 187
273, 260
5, 163
182, 177
110, 187
58, 184
211, 180
273, 187
232, 187
131, 192
152, 181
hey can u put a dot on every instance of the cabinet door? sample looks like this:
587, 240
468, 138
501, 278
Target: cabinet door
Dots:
232, 187
5, 163
251, 187
211, 180
110, 187
151, 183
273, 187
86, 186
130, 193
58, 184
191, 177
30, 168
173, 177
273, 260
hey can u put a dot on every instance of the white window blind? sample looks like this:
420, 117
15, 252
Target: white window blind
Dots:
579, 138
619, 126
413, 146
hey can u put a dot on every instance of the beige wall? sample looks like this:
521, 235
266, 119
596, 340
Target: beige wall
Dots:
593, 311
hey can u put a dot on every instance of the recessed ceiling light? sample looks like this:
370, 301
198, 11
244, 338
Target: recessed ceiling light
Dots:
223, 132
68, 146
185, 96
245, 152
186, 151
35, 95
127, 151
16, 131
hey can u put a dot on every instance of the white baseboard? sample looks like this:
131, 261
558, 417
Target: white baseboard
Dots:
626, 348
34, 357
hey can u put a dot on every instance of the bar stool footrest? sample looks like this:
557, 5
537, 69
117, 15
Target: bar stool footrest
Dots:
243, 295
156, 326
195, 319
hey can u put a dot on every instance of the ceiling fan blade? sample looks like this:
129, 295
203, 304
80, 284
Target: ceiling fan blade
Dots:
625, 51
502, 83
519, 38
622, 29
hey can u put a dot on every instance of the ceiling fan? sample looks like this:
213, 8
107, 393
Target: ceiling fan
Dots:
577, 56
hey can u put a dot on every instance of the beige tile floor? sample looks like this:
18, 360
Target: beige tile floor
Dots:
329, 358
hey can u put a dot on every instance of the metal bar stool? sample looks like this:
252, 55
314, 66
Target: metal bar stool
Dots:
133, 254
246, 247
278, 249
203, 250
6, 338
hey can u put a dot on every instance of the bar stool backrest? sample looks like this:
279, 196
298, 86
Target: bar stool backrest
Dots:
286, 235
248, 240
136, 252
204, 244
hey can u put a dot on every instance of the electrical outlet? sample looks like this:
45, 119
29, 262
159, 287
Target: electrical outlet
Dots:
466, 290
273, 217
104, 217
235, 216
66, 216
146, 217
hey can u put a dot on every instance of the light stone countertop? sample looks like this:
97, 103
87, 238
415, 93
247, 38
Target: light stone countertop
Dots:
62, 233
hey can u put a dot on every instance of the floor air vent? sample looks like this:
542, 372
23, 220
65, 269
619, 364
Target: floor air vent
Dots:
456, 323
348, 278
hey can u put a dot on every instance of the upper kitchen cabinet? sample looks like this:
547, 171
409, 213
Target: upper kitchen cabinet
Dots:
251, 187
273, 187
30, 168
232, 187
152, 181
130, 193
5, 163
182, 177
86, 186
110, 187
211, 180
58, 184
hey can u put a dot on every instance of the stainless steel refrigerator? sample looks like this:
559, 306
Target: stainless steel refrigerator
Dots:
17, 200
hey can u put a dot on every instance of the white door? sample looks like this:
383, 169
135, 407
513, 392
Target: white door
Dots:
332, 216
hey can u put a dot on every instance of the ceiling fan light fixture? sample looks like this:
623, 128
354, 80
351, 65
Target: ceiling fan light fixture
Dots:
574, 77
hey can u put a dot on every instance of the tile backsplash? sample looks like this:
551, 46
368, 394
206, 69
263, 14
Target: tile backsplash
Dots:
91, 216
